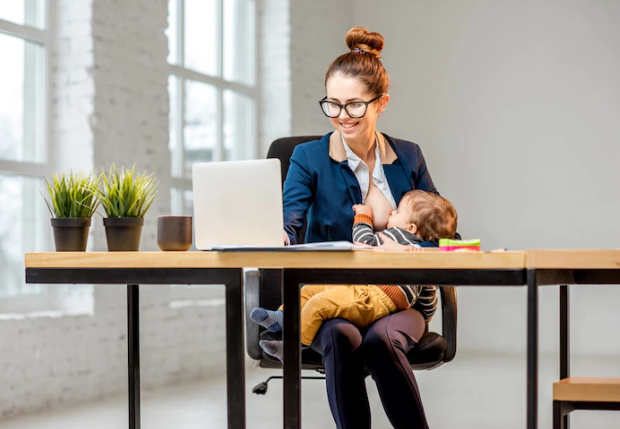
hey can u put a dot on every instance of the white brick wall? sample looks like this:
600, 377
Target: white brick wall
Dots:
72, 86
274, 63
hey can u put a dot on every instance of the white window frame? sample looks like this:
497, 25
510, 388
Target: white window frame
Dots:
182, 74
182, 184
46, 299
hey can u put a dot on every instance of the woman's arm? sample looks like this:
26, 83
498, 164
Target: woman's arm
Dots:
422, 180
298, 194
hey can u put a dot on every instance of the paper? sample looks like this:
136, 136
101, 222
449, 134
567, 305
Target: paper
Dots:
325, 246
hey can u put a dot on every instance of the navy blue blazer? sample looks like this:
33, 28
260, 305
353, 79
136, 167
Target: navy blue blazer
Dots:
324, 190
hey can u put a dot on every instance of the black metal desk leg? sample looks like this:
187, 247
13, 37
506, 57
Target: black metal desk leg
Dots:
133, 349
235, 361
292, 352
565, 341
532, 350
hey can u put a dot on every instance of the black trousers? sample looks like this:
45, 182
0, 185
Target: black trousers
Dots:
382, 348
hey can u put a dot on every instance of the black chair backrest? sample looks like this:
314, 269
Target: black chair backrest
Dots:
283, 150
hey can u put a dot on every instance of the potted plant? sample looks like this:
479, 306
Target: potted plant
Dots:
72, 203
125, 197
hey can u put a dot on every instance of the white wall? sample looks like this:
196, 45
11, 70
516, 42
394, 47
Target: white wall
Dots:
516, 106
318, 29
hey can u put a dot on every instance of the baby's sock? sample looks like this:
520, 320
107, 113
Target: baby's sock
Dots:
273, 348
272, 320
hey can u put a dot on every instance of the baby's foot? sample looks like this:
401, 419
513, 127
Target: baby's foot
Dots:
273, 348
272, 320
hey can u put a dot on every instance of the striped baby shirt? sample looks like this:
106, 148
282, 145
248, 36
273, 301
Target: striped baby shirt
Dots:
421, 297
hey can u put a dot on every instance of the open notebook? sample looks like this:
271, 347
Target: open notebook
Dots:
334, 246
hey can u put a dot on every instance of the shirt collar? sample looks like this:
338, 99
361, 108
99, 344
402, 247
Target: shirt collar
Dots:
354, 160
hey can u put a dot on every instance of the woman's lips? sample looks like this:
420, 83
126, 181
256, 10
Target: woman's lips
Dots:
349, 126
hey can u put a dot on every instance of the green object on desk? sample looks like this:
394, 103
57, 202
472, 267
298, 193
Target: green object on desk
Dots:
461, 243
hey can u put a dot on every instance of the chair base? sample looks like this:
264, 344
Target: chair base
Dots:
261, 388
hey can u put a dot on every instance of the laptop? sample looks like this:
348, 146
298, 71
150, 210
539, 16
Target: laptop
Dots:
237, 204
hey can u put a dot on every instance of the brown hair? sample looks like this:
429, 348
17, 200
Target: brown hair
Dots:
434, 216
363, 61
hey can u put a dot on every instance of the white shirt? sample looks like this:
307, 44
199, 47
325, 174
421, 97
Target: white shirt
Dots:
361, 171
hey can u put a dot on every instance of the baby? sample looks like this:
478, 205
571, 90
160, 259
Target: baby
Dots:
421, 216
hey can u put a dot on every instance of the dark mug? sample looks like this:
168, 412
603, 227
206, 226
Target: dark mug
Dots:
174, 233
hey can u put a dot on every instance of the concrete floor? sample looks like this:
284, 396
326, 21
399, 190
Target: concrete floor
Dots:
481, 392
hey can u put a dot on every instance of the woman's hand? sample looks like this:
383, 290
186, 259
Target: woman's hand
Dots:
392, 246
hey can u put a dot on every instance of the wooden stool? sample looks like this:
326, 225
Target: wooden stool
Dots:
575, 393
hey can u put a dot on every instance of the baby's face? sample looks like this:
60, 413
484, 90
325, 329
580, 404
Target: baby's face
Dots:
401, 216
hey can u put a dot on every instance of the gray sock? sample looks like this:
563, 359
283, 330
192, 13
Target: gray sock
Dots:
272, 320
273, 348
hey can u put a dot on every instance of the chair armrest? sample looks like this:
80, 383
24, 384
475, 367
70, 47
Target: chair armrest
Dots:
449, 316
252, 281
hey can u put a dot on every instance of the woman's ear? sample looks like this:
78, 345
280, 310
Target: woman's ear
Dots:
383, 102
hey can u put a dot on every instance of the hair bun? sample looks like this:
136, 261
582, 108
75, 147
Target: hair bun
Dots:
369, 43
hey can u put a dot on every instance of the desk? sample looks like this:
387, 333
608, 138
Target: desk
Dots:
532, 268
566, 267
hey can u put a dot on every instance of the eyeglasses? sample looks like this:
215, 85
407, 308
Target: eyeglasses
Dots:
355, 109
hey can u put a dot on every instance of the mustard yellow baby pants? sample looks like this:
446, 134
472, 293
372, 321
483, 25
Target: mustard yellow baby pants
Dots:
359, 304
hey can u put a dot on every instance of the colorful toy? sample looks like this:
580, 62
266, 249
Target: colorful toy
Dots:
447, 245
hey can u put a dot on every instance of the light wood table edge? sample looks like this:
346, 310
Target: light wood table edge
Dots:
572, 259
322, 260
587, 389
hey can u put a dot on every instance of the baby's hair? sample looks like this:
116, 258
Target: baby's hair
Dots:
433, 215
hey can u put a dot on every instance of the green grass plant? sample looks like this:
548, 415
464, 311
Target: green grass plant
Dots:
72, 195
127, 194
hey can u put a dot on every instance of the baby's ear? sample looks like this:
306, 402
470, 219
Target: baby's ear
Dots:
413, 228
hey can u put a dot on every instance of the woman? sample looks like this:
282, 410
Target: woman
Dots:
357, 165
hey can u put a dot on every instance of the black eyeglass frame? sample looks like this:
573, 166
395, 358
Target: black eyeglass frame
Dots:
345, 105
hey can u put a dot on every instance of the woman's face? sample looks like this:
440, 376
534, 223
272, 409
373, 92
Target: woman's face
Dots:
345, 89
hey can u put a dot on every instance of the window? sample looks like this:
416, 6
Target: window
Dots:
23, 149
212, 87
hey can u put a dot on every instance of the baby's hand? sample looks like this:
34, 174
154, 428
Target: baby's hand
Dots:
362, 209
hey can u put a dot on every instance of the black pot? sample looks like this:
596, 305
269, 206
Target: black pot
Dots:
123, 233
71, 234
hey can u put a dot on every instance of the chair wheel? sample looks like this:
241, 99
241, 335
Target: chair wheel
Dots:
260, 388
